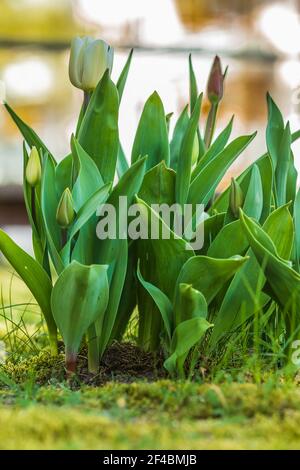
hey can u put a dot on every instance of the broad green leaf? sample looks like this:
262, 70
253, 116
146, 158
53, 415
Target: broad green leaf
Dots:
221, 203
128, 186
280, 228
253, 203
160, 262
86, 194
152, 136
88, 178
208, 275
128, 299
49, 203
266, 173
64, 174
89, 208
244, 296
274, 131
178, 134
283, 164
163, 257
162, 302
189, 303
212, 226
193, 100
117, 273
79, 297
34, 277
184, 165
123, 76
216, 147
230, 241
98, 134
193, 85
282, 279
291, 184
158, 185
186, 336
203, 186
122, 164
29, 134
86, 211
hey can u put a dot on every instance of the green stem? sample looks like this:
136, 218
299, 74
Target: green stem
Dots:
53, 342
71, 362
210, 124
93, 350
85, 103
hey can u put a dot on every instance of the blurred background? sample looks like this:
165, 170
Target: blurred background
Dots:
258, 39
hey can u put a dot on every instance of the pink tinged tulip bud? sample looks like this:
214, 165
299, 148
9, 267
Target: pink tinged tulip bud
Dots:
65, 213
89, 59
215, 82
33, 171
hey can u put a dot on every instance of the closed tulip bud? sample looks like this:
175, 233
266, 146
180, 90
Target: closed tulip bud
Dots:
33, 171
65, 213
195, 151
215, 82
236, 197
89, 59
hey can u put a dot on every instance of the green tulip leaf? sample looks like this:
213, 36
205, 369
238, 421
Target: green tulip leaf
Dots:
98, 134
159, 185
283, 281
178, 134
162, 302
152, 136
29, 134
123, 76
208, 275
79, 297
186, 335
203, 186
223, 246
189, 303
34, 276
184, 165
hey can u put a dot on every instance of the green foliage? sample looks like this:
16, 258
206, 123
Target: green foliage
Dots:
188, 302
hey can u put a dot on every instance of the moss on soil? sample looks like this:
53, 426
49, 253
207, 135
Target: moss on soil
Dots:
123, 362
40, 410
158, 415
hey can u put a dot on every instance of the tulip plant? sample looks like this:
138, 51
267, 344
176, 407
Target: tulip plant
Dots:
187, 300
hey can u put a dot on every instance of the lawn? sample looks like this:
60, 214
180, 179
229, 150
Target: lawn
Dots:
160, 415
137, 408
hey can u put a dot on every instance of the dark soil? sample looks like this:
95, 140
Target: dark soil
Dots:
123, 362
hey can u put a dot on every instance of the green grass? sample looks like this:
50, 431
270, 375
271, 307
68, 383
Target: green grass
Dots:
246, 406
161, 415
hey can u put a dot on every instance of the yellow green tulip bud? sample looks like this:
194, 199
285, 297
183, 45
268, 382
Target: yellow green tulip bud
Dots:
195, 151
236, 197
33, 171
215, 82
65, 213
89, 59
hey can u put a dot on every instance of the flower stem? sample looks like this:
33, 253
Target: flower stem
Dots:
210, 124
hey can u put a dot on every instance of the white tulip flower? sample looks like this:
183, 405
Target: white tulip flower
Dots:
89, 59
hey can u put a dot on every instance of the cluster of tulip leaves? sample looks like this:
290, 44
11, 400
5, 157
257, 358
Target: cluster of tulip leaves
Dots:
187, 301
